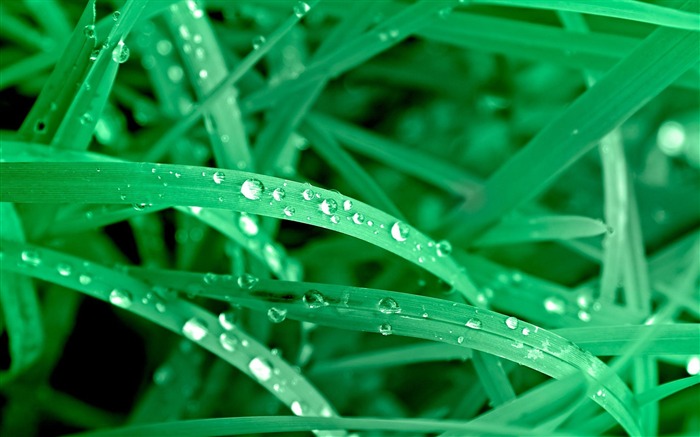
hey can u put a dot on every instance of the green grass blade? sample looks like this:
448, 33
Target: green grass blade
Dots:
542, 228
648, 70
20, 306
493, 378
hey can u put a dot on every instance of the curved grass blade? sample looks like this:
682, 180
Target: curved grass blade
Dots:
403, 314
643, 74
20, 305
542, 228
177, 315
237, 191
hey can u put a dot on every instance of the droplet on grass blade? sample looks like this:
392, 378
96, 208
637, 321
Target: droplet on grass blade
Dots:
278, 194
474, 324
399, 231
227, 320
388, 305
258, 41
512, 322
64, 269
385, 329
31, 258
276, 315
314, 299
247, 281
443, 248
120, 298
301, 8
228, 341
218, 177
121, 52
329, 206
252, 189
260, 368
554, 305
195, 329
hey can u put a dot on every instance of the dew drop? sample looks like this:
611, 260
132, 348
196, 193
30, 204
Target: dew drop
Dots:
252, 189
248, 224
85, 279
31, 258
526, 331
385, 329
300, 9
278, 194
347, 205
89, 31
120, 298
358, 218
64, 269
443, 248
121, 52
314, 299
247, 281
474, 324
260, 368
399, 231
209, 278
289, 211
218, 177
227, 320
94, 54
140, 206
512, 322
86, 119
329, 206
584, 316
460, 339
116, 15
195, 329
276, 315
335, 219
258, 41
388, 305
693, 365
228, 341
554, 305
308, 194
297, 408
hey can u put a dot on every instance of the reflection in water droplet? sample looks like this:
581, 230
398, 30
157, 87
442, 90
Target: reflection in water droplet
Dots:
64, 269
120, 298
252, 189
554, 305
121, 52
219, 177
247, 281
399, 231
358, 218
443, 248
31, 258
258, 41
228, 341
278, 194
308, 194
227, 320
347, 205
289, 211
329, 206
300, 9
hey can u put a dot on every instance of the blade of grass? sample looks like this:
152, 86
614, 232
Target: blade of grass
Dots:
542, 228
644, 73
493, 378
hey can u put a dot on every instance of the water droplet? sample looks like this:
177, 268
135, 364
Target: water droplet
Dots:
385, 329
120, 298
94, 54
218, 177
64, 269
120, 54
534, 354
209, 278
388, 305
86, 119
227, 320
554, 305
89, 31
329, 206
278, 194
31, 258
116, 15
258, 41
276, 315
163, 375
443, 248
248, 224
247, 281
85, 279
358, 218
347, 205
584, 316
693, 365
314, 299
300, 9
203, 74
297, 408
460, 339
195, 329
512, 322
252, 189
289, 211
308, 194
260, 368
474, 324
526, 331
228, 341
399, 231
175, 73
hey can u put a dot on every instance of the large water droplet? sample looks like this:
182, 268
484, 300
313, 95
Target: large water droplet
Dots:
252, 189
228, 341
31, 258
474, 324
385, 329
300, 9
388, 305
219, 177
260, 368
399, 231
314, 299
247, 281
195, 329
120, 54
227, 320
347, 205
512, 322
120, 298
277, 315
308, 194
329, 206
278, 194
443, 248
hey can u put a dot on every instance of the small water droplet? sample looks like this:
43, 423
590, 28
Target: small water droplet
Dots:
297, 408
526, 331
444, 12
554, 305
219, 177
474, 324
228, 341
335, 219
399, 231
258, 41
347, 205
252, 189
86, 119
195, 329
385, 329
443, 248
89, 31
584, 316
248, 224
94, 54
203, 74
163, 375
314, 299
460, 339
387, 305
329, 206
276, 315
300, 9
121, 52
64, 269
289, 211
120, 298
209, 278
31, 258
308, 194
260, 368
227, 320
247, 281
85, 279
358, 218
116, 15
278, 194
512, 322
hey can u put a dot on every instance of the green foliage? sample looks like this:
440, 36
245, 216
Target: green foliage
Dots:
515, 250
